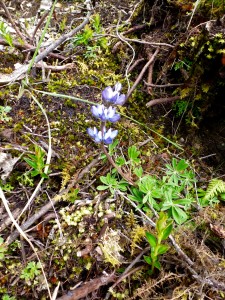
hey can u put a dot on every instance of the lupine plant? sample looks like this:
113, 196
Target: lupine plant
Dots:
107, 112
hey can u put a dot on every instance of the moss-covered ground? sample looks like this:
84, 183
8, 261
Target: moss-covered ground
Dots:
89, 232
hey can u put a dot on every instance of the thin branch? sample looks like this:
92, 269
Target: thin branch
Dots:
150, 71
162, 101
23, 234
163, 85
142, 72
135, 64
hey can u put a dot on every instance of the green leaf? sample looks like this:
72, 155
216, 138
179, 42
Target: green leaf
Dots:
138, 172
133, 154
161, 222
162, 249
148, 259
182, 165
30, 162
179, 215
151, 239
157, 265
166, 231
102, 187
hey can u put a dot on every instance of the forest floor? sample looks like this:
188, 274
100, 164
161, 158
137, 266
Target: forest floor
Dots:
144, 216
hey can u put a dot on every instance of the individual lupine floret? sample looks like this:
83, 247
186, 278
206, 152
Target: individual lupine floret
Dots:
113, 95
104, 113
102, 136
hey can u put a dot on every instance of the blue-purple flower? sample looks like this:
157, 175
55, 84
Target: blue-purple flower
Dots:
113, 95
102, 136
105, 114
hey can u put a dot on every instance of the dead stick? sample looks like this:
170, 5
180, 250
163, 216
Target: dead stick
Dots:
88, 287
135, 64
150, 71
161, 101
142, 73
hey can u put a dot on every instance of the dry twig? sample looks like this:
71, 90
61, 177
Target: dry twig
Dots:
162, 101
142, 72
88, 287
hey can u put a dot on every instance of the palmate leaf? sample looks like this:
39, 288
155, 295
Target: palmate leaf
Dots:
179, 215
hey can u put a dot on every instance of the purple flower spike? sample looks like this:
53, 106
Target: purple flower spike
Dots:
105, 136
105, 114
113, 96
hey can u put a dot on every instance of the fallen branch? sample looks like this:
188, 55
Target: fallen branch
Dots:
162, 101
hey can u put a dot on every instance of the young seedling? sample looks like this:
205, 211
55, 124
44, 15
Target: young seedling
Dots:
163, 229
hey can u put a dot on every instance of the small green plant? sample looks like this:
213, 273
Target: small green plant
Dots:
3, 249
163, 230
37, 162
4, 32
215, 188
112, 183
4, 110
172, 193
88, 38
30, 272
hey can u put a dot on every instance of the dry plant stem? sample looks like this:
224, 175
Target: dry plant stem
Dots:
142, 72
150, 71
2, 3
88, 287
125, 176
162, 101
39, 24
13, 236
135, 64
7, 221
